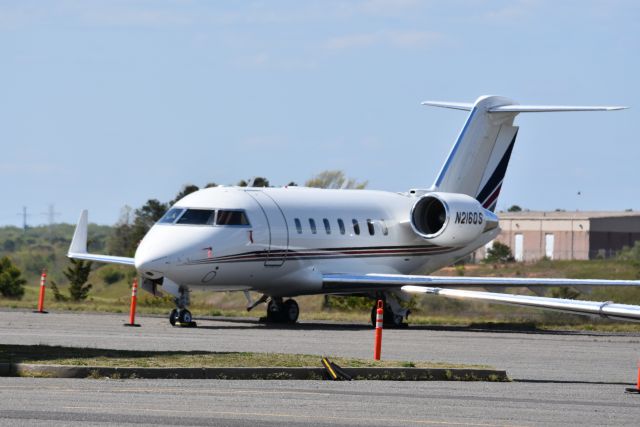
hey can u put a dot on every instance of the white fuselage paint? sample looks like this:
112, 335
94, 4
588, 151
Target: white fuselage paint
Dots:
271, 256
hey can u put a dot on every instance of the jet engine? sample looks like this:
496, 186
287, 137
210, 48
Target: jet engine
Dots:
450, 219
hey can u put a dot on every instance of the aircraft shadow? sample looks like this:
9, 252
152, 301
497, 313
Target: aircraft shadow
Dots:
489, 327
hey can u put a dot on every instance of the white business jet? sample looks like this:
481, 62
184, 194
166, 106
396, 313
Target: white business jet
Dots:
285, 242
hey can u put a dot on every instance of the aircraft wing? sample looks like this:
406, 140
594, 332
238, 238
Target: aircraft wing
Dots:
349, 283
78, 248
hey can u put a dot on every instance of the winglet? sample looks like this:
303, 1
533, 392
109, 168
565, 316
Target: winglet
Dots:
79, 242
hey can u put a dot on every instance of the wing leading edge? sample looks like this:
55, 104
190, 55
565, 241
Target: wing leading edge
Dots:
345, 283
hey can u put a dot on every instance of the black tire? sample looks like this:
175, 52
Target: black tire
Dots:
274, 312
389, 319
185, 316
291, 311
173, 317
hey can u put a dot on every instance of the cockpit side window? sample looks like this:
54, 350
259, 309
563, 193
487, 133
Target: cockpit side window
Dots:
197, 217
171, 216
227, 217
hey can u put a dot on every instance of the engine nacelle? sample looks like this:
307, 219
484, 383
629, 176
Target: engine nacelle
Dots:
450, 219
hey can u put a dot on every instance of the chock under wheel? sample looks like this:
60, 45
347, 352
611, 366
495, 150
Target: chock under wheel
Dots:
191, 324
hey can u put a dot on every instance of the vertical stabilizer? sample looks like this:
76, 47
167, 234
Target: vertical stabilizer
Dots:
478, 160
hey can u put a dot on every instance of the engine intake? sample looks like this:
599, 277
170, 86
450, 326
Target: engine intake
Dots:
449, 219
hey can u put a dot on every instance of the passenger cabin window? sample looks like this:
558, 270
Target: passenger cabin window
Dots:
356, 227
197, 217
298, 225
341, 226
226, 217
385, 229
312, 224
327, 226
372, 229
171, 216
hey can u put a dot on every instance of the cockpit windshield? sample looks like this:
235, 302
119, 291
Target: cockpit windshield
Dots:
171, 216
225, 217
197, 217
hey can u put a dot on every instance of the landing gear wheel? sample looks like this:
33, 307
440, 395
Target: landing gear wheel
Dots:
185, 316
291, 311
389, 319
173, 317
275, 312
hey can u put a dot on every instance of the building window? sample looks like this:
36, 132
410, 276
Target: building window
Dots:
298, 225
372, 229
327, 226
341, 226
549, 242
356, 227
519, 254
312, 224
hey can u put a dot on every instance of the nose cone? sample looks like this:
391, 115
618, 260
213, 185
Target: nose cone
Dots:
151, 261
165, 246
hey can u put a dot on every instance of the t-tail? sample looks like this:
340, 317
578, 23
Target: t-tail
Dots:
478, 160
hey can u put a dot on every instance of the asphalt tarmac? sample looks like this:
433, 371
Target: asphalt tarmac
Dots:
559, 378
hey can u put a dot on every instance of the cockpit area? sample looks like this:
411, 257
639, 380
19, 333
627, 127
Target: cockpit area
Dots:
211, 217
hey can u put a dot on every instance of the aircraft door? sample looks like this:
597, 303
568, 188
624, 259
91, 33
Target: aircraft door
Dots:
278, 229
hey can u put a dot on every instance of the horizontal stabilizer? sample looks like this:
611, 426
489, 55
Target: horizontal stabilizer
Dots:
550, 108
465, 106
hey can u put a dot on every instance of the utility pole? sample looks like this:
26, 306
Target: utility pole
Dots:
51, 214
24, 215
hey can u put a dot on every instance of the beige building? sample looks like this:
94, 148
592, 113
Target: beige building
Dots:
566, 235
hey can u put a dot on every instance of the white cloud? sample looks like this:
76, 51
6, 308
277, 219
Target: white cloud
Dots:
402, 39
513, 10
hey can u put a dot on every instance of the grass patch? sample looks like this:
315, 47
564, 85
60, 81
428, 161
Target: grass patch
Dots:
57, 355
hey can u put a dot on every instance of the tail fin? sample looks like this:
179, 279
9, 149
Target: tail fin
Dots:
478, 160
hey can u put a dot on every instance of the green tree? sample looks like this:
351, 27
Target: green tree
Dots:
11, 281
499, 252
186, 190
256, 181
630, 253
77, 273
334, 179
514, 208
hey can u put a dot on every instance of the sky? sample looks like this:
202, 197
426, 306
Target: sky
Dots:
106, 104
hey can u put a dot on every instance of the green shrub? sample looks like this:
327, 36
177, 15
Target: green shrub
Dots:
11, 281
111, 275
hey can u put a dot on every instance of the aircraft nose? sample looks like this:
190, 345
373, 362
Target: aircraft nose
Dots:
151, 265
152, 258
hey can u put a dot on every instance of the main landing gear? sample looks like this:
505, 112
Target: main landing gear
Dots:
394, 314
279, 311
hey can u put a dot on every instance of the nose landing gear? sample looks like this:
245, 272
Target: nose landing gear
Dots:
181, 316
